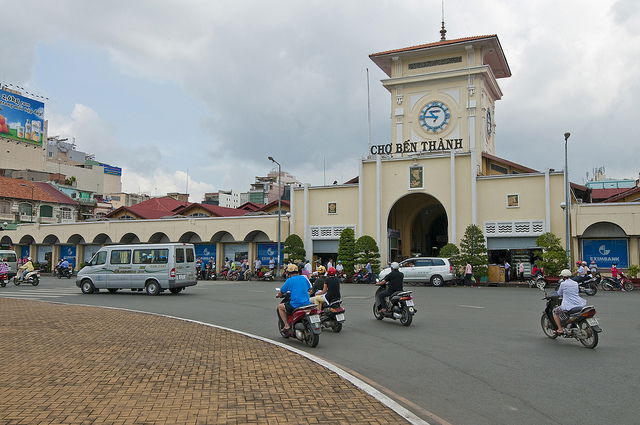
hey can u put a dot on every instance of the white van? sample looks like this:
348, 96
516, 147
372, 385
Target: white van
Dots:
152, 267
11, 259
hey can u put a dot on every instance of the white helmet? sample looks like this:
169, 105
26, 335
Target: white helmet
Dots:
28, 258
565, 273
395, 265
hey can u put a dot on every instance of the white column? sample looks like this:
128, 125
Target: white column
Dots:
471, 111
359, 230
378, 199
452, 231
308, 247
292, 210
547, 199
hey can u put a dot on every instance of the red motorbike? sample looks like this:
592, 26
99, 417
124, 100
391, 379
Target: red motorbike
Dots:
304, 323
4, 279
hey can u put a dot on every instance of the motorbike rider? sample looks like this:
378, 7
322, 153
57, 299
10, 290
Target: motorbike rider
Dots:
569, 291
4, 267
394, 281
315, 293
63, 266
25, 268
583, 269
298, 286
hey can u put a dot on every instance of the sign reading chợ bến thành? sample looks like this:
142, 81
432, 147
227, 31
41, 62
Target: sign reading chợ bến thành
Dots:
417, 147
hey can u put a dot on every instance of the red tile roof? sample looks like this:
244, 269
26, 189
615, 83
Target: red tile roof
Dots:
435, 44
620, 196
284, 204
601, 194
250, 206
28, 190
154, 208
503, 161
215, 210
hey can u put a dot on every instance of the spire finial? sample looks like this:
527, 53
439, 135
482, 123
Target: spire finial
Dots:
443, 31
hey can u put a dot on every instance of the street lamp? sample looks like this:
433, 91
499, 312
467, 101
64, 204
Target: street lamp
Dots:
32, 199
279, 208
567, 209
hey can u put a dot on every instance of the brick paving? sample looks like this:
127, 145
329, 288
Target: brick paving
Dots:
62, 364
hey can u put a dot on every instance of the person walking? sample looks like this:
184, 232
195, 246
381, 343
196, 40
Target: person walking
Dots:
507, 271
468, 270
521, 271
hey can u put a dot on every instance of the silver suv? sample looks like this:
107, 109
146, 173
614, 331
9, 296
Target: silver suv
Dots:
425, 270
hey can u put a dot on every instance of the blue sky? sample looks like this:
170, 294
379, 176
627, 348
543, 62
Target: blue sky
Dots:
160, 86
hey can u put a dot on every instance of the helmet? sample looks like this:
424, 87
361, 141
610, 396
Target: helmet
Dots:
578, 263
331, 271
395, 265
292, 268
565, 273
584, 263
321, 270
28, 258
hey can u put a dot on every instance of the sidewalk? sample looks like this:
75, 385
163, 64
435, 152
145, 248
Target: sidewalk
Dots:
65, 364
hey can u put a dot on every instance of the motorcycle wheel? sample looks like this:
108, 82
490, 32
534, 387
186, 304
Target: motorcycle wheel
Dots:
3, 283
16, 281
591, 289
69, 275
628, 286
310, 338
407, 317
376, 313
547, 327
337, 327
606, 285
35, 281
281, 327
592, 337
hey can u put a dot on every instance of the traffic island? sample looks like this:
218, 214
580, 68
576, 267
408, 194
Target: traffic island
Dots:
87, 365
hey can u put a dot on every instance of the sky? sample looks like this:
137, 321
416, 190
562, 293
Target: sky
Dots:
201, 92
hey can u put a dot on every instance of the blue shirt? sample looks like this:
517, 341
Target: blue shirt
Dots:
64, 264
299, 288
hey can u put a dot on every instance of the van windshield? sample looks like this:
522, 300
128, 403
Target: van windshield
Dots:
99, 258
10, 257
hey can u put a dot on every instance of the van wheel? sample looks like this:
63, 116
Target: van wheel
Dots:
152, 288
175, 290
437, 280
87, 287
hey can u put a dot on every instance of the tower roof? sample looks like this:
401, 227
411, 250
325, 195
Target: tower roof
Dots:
494, 55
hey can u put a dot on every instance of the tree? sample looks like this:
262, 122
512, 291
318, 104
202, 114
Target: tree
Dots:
474, 251
452, 252
294, 248
367, 252
346, 250
552, 258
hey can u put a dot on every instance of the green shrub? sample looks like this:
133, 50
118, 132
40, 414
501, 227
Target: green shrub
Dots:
346, 250
294, 248
367, 252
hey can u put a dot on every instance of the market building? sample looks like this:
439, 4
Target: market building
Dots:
439, 173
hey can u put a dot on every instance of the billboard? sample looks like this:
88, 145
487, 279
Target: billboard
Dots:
606, 252
21, 118
205, 251
268, 250
68, 252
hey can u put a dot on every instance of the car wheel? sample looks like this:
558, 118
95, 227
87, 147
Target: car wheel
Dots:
87, 287
437, 280
152, 288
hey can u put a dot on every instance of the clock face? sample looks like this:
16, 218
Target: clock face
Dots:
434, 117
489, 123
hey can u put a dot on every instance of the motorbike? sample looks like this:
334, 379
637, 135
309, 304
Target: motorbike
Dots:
402, 307
264, 275
587, 284
360, 277
31, 277
580, 325
66, 272
304, 323
534, 281
4, 279
210, 273
609, 283
332, 316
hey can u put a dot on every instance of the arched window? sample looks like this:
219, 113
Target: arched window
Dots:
46, 211
5, 207
25, 209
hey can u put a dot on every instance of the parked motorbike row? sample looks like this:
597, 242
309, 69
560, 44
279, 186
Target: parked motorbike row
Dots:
589, 283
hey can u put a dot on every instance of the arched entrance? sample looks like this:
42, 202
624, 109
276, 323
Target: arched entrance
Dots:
417, 225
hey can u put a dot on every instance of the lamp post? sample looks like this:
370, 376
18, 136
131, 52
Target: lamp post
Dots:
279, 209
32, 200
567, 208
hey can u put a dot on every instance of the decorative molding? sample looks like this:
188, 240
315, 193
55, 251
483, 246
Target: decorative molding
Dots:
329, 232
514, 228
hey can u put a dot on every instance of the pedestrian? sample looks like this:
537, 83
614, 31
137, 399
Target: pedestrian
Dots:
272, 264
257, 264
329, 263
468, 270
507, 271
593, 267
521, 271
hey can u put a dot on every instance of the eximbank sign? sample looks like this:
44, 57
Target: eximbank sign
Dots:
21, 118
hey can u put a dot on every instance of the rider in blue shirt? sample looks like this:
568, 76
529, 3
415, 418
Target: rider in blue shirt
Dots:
298, 286
63, 266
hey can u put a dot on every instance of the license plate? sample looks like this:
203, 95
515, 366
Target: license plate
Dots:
340, 317
314, 319
409, 303
592, 322
182, 276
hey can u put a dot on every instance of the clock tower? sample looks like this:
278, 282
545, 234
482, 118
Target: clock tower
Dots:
445, 91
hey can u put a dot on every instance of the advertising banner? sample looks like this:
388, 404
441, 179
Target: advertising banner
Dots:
68, 252
205, 251
21, 118
606, 252
268, 250
24, 251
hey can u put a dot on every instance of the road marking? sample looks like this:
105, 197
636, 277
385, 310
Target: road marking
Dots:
29, 296
356, 298
469, 306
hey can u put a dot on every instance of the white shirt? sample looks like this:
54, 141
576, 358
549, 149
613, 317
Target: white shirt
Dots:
307, 267
339, 267
582, 271
329, 264
570, 293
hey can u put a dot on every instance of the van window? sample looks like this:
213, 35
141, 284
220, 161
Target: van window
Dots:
438, 262
179, 255
150, 256
423, 263
190, 257
10, 257
99, 259
120, 256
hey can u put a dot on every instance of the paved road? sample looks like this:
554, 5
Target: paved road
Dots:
471, 356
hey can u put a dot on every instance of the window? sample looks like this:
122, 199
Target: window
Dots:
46, 211
5, 207
25, 209
499, 169
10, 257
125, 217
179, 255
99, 259
190, 256
513, 200
199, 215
115, 198
120, 257
65, 213
150, 256
438, 262
424, 263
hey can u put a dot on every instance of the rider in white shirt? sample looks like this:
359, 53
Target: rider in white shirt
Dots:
569, 291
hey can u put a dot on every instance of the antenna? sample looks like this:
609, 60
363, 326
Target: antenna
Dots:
443, 31
187, 189
369, 109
